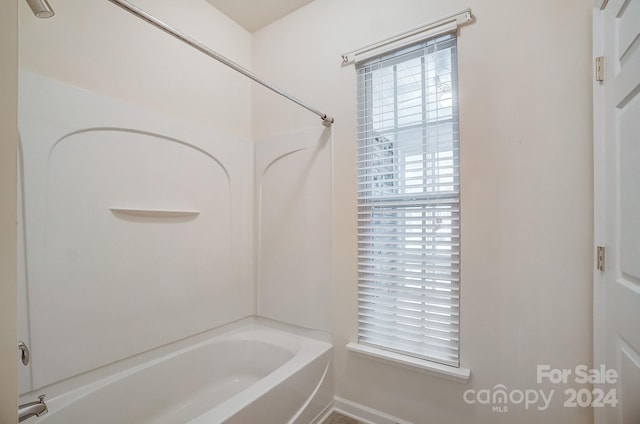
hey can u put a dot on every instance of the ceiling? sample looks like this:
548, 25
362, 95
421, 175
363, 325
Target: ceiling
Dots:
255, 14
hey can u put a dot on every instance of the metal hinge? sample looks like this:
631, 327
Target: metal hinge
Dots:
600, 68
600, 257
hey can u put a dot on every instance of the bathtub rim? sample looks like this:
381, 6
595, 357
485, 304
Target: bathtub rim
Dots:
63, 393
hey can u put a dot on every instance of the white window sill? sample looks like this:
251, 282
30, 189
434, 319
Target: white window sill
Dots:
460, 375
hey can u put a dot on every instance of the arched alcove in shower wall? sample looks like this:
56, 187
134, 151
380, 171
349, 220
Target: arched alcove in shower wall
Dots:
137, 228
293, 229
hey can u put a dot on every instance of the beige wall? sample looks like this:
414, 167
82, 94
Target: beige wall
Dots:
8, 139
526, 166
525, 102
100, 47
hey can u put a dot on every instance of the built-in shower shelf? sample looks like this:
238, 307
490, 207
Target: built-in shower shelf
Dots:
155, 213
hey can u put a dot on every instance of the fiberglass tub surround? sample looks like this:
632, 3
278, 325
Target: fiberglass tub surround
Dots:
137, 240
135, 229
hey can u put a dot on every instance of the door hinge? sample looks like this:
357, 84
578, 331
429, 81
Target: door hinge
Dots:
600, 258
600, 68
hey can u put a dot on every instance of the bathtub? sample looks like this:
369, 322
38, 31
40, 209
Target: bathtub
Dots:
254, 371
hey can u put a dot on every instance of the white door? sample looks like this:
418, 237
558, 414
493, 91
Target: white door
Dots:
617, 208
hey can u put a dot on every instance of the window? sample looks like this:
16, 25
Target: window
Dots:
409, 201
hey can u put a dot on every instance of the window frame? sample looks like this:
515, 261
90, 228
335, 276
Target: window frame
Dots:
394, 58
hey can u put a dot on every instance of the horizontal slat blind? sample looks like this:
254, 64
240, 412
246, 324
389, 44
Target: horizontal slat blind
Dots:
409, 201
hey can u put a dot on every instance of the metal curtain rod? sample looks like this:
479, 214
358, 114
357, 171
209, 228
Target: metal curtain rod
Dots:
326, 119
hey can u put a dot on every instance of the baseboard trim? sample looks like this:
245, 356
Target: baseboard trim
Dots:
322, 416
363, 413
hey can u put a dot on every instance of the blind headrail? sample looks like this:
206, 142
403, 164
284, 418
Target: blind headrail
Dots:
136, 11
440, 26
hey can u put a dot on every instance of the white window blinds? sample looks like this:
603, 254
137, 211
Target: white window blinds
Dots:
409, 201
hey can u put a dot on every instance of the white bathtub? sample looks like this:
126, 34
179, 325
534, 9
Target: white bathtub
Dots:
249, 372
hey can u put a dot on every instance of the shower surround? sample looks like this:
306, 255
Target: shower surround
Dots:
141, 230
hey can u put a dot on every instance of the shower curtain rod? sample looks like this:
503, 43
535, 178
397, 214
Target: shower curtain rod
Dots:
326, 120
